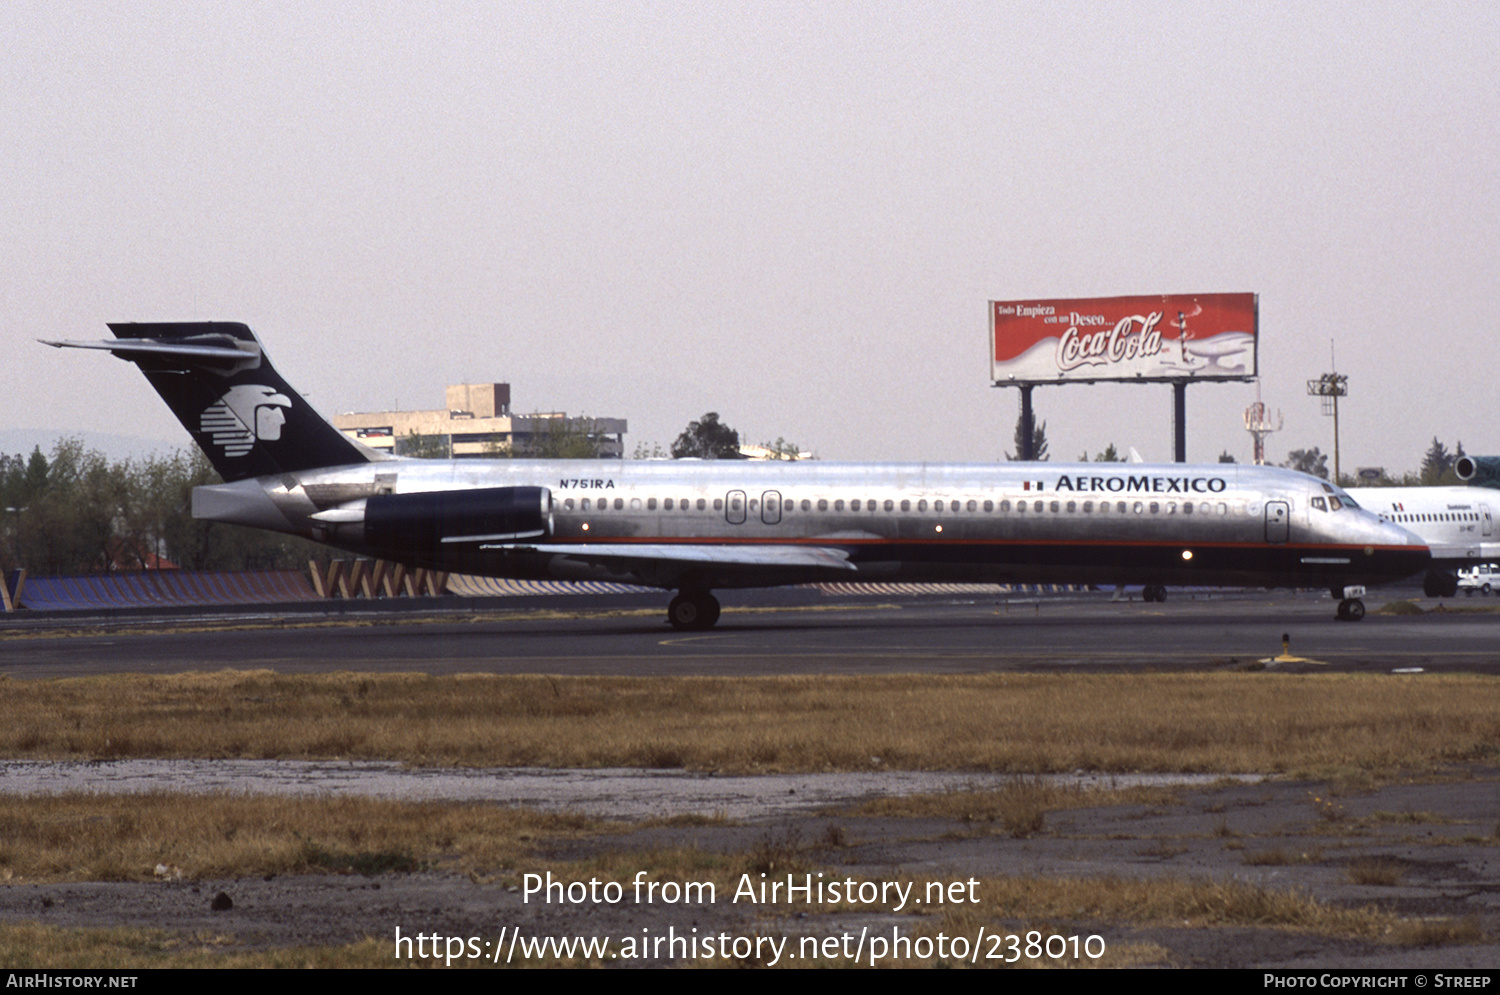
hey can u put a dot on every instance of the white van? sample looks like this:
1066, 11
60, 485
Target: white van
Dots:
1482, 578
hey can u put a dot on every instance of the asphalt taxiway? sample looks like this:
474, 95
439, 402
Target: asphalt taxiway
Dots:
1086, 632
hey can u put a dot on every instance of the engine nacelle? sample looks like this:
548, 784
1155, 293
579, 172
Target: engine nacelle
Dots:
1481, 470
422, 525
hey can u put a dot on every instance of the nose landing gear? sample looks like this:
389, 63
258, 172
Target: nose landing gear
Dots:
1351, 608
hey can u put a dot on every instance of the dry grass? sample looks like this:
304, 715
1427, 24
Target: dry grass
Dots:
1024, 723
126, 838
1435, 932
1017, 809
51, 948
1192, 903
1374, 871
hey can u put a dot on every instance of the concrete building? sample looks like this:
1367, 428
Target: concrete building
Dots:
478, 422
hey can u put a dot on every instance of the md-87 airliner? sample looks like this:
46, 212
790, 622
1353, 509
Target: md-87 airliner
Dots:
696, 526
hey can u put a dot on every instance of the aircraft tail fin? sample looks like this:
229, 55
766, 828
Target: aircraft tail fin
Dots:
217, 380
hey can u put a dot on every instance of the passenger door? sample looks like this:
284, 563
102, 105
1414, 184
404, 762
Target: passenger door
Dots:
1277, 524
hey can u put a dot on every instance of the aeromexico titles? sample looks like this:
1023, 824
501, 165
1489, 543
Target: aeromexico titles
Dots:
696, 526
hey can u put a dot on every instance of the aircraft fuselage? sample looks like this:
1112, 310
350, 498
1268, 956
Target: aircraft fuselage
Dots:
767, 522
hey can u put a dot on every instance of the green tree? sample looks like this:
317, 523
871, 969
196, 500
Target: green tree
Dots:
1110, 455
1311, 461
707, 438
1437, 465
1226, 457
564, 438
420, 446
1038, 441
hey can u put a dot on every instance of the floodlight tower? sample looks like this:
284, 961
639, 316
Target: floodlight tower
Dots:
1258, 424
1330, 387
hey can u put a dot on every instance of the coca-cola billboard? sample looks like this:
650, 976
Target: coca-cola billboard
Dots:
1172, 337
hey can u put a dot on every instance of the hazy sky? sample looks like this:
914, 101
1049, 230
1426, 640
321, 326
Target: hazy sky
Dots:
792, 214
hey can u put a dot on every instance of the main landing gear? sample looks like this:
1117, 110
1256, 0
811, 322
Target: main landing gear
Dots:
693, 611
1440, 584
1154, 592
1351, 608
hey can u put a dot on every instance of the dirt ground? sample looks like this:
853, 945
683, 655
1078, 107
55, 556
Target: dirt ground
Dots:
1435, 843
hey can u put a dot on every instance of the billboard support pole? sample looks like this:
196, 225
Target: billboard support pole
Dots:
1179, 419
1028, 420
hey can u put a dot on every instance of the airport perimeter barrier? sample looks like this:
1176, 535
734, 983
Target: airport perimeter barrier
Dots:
156, 589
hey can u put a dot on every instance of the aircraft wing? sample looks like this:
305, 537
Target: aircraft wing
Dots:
686, 554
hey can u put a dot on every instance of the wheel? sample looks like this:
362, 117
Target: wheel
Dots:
1161, 592
693, 611
1351, 610
1485, 590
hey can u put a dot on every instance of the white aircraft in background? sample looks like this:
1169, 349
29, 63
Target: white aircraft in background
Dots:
1456, 523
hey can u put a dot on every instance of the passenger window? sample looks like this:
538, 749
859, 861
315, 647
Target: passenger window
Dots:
838, 505
667, 505
1005, 506
619, 504
718, 504
1187, 507
973, 506
806, 505
1055, 507
1088, 507
1223, 508
635, 504
583, 505
1021, 506
905, 505
1155, 507
922, 504
822, 504
568, 504
890, 505
1037, 506
854, 505
651, 504
1072, 507
702, 504
1120, 507
989, 506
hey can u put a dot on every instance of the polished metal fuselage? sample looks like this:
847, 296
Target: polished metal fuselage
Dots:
740, 523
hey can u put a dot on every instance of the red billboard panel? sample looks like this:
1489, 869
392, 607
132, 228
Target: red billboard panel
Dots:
1172, 337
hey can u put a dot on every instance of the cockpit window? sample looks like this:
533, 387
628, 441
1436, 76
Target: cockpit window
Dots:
1334, 503
1319, 503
